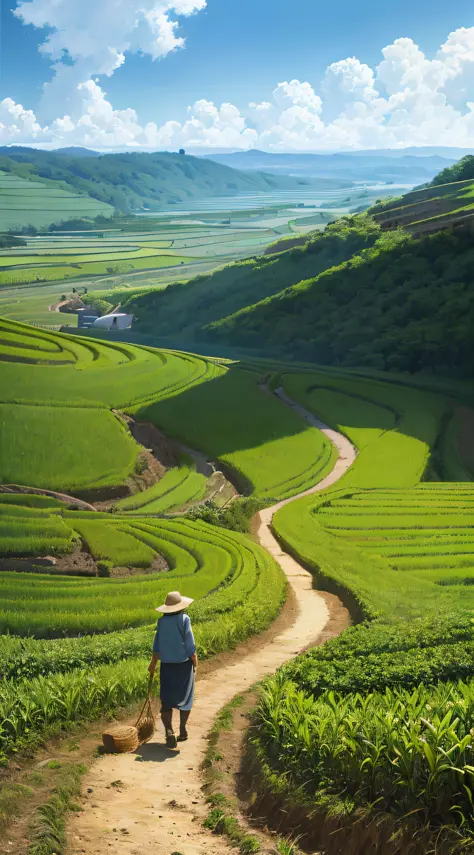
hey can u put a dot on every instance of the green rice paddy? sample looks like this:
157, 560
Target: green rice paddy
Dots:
394, 537
25, 202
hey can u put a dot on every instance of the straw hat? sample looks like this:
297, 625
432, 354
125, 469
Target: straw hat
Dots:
174, 603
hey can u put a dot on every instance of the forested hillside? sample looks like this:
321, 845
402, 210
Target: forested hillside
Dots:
404, 304
184, 309
137, 181
463, 170
366, 292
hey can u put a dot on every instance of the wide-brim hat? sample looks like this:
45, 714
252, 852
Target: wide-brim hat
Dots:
174, 603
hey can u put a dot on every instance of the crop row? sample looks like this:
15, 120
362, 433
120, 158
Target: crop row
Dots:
222, 618
404, 751
372, 725
52, 606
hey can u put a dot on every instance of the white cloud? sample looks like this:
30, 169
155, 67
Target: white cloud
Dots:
18, 124
297, 94
408, 99
92, 37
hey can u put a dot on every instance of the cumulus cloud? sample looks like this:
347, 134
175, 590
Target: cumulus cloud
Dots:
407, 99
90, 37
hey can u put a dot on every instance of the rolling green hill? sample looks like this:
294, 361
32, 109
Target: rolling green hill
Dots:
138, 181
391, 289
183, 309
429, 209
40, 203
463, 170
404, 303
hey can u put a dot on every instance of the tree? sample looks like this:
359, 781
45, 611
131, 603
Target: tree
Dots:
181, 151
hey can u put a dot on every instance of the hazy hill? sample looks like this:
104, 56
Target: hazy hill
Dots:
365, 292
77, 151
138, 181
406, 168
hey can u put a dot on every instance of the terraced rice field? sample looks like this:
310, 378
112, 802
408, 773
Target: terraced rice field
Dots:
143, 251
274, 454
379, 720
57, 393
25, 203
238, 587
427, 530
61, 391
360, 710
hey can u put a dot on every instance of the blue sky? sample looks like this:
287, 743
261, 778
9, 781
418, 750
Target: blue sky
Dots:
235, 53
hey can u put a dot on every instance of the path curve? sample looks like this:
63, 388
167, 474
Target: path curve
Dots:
158, 809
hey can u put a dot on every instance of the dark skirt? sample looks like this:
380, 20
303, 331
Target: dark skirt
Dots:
177, 685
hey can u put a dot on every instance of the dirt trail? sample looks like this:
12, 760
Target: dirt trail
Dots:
158, 805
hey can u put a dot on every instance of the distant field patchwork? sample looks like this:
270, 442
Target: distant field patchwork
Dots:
31, 203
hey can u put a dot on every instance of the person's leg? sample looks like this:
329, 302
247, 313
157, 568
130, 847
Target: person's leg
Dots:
183, 719
167, 719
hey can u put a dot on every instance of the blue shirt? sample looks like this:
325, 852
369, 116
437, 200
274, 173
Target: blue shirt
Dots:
174, 639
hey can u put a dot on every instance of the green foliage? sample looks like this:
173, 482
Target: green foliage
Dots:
373, 657
183, 310
460, 171
400, 751
397, 312
236, 516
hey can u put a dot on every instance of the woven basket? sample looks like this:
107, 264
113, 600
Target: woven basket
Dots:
120, 739
145, 724
123, 738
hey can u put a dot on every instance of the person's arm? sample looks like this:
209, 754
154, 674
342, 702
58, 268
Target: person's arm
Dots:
155, 657
156, 652
189, 642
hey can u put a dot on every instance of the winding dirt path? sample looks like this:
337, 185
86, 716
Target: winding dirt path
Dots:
151, 802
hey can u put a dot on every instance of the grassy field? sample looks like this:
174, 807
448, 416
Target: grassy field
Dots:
57, 393
55, 448
154, 386
38, 204
274, 454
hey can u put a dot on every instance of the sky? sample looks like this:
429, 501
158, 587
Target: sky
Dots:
236, 74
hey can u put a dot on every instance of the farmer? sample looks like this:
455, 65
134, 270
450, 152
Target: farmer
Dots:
175, 647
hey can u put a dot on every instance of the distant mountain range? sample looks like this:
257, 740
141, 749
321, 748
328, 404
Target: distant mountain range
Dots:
406, 166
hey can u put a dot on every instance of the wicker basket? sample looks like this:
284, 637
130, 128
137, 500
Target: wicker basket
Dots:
145, 723
120, 739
